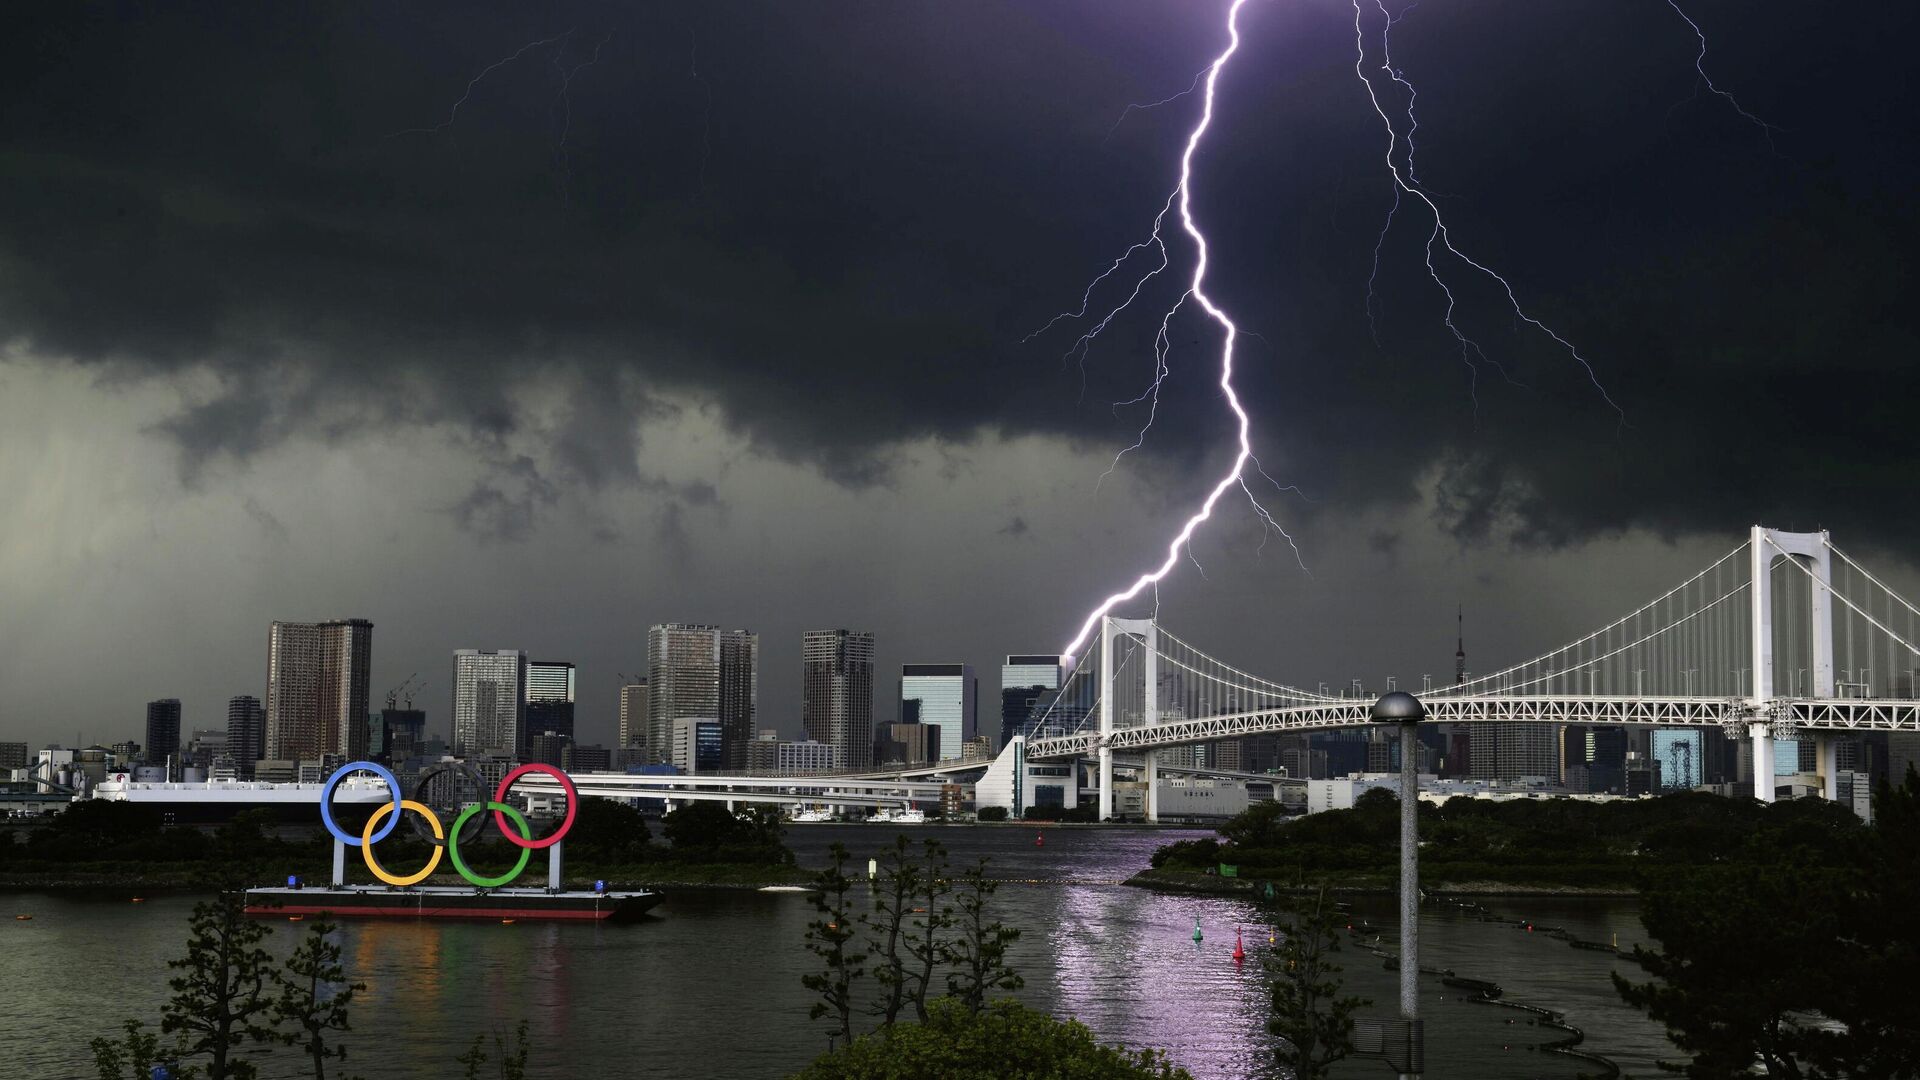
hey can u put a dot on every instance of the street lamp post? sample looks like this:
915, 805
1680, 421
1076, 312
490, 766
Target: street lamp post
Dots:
1405, 710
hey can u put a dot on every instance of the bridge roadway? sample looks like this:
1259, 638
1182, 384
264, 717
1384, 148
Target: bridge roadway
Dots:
1782, 715
783, 790
889, 789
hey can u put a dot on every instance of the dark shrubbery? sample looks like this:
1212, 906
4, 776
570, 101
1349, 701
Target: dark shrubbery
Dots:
1523, 841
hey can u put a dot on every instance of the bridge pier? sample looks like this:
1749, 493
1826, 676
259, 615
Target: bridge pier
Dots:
1762, 734
1153, 785
1105, 807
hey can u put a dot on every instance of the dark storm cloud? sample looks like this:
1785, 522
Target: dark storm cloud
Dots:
840, 231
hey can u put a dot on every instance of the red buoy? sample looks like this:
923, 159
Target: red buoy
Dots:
1239, 950
1040, 841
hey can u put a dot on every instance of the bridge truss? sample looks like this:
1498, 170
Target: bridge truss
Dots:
1782, 635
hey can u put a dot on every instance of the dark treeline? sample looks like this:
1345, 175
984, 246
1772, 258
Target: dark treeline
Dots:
1541, 842
608, 840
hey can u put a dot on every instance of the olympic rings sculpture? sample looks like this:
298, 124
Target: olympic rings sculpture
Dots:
383, 821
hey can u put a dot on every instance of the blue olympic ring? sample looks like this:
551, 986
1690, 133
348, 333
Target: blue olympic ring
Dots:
326, 801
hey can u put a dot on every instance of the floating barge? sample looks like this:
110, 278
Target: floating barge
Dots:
449, 902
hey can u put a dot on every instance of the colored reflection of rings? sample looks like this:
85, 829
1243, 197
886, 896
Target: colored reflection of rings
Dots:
461, 770
373, 862
526, 850
500, 799
393, 786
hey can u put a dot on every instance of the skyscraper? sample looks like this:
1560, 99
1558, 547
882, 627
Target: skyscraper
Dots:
550, 687
633, 715
948, 696
317, 689
739, 694
246, 732
1022, 678
163, 733
489, 701
703, 672
836, 706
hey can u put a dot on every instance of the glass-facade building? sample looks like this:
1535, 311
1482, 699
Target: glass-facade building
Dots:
163, 733
550, 685
489, 702
1681, 756
1022, 679
948, 696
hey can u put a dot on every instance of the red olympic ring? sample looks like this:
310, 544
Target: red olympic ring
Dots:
566, 785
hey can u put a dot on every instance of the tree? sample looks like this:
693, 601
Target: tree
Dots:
828, 937
992, 813
220, 1000
1876, 1004
894, 891
130, 1059
1312, 1018
1008, 1039
607, 832
512, 1051
980, 950
315, 996
927, 944
1718, 984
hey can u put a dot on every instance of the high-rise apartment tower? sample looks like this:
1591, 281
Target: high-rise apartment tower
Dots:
317, 689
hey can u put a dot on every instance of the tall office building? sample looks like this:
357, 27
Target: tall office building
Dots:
163, 733
246, 732
403, 735
739, 694
948, 696
702, 672
489, 702
836, 702
550, 688
633, 715
1022, 678
1526, 750
317, 689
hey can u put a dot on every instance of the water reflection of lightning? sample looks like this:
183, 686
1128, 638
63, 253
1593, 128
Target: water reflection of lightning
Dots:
1236, 475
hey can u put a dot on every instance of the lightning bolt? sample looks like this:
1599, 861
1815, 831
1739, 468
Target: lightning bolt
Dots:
1700, 65
1404, 183
562, 156
1168, 100
1182, 198
453, 114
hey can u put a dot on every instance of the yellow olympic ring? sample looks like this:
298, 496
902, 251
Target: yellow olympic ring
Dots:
373, 862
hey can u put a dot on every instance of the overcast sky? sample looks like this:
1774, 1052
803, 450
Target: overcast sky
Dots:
522, 325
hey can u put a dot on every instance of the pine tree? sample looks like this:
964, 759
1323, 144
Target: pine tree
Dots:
927, 944
1309, 1014
980, 950
828, 937
315, 996
894, 891
220, 1001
